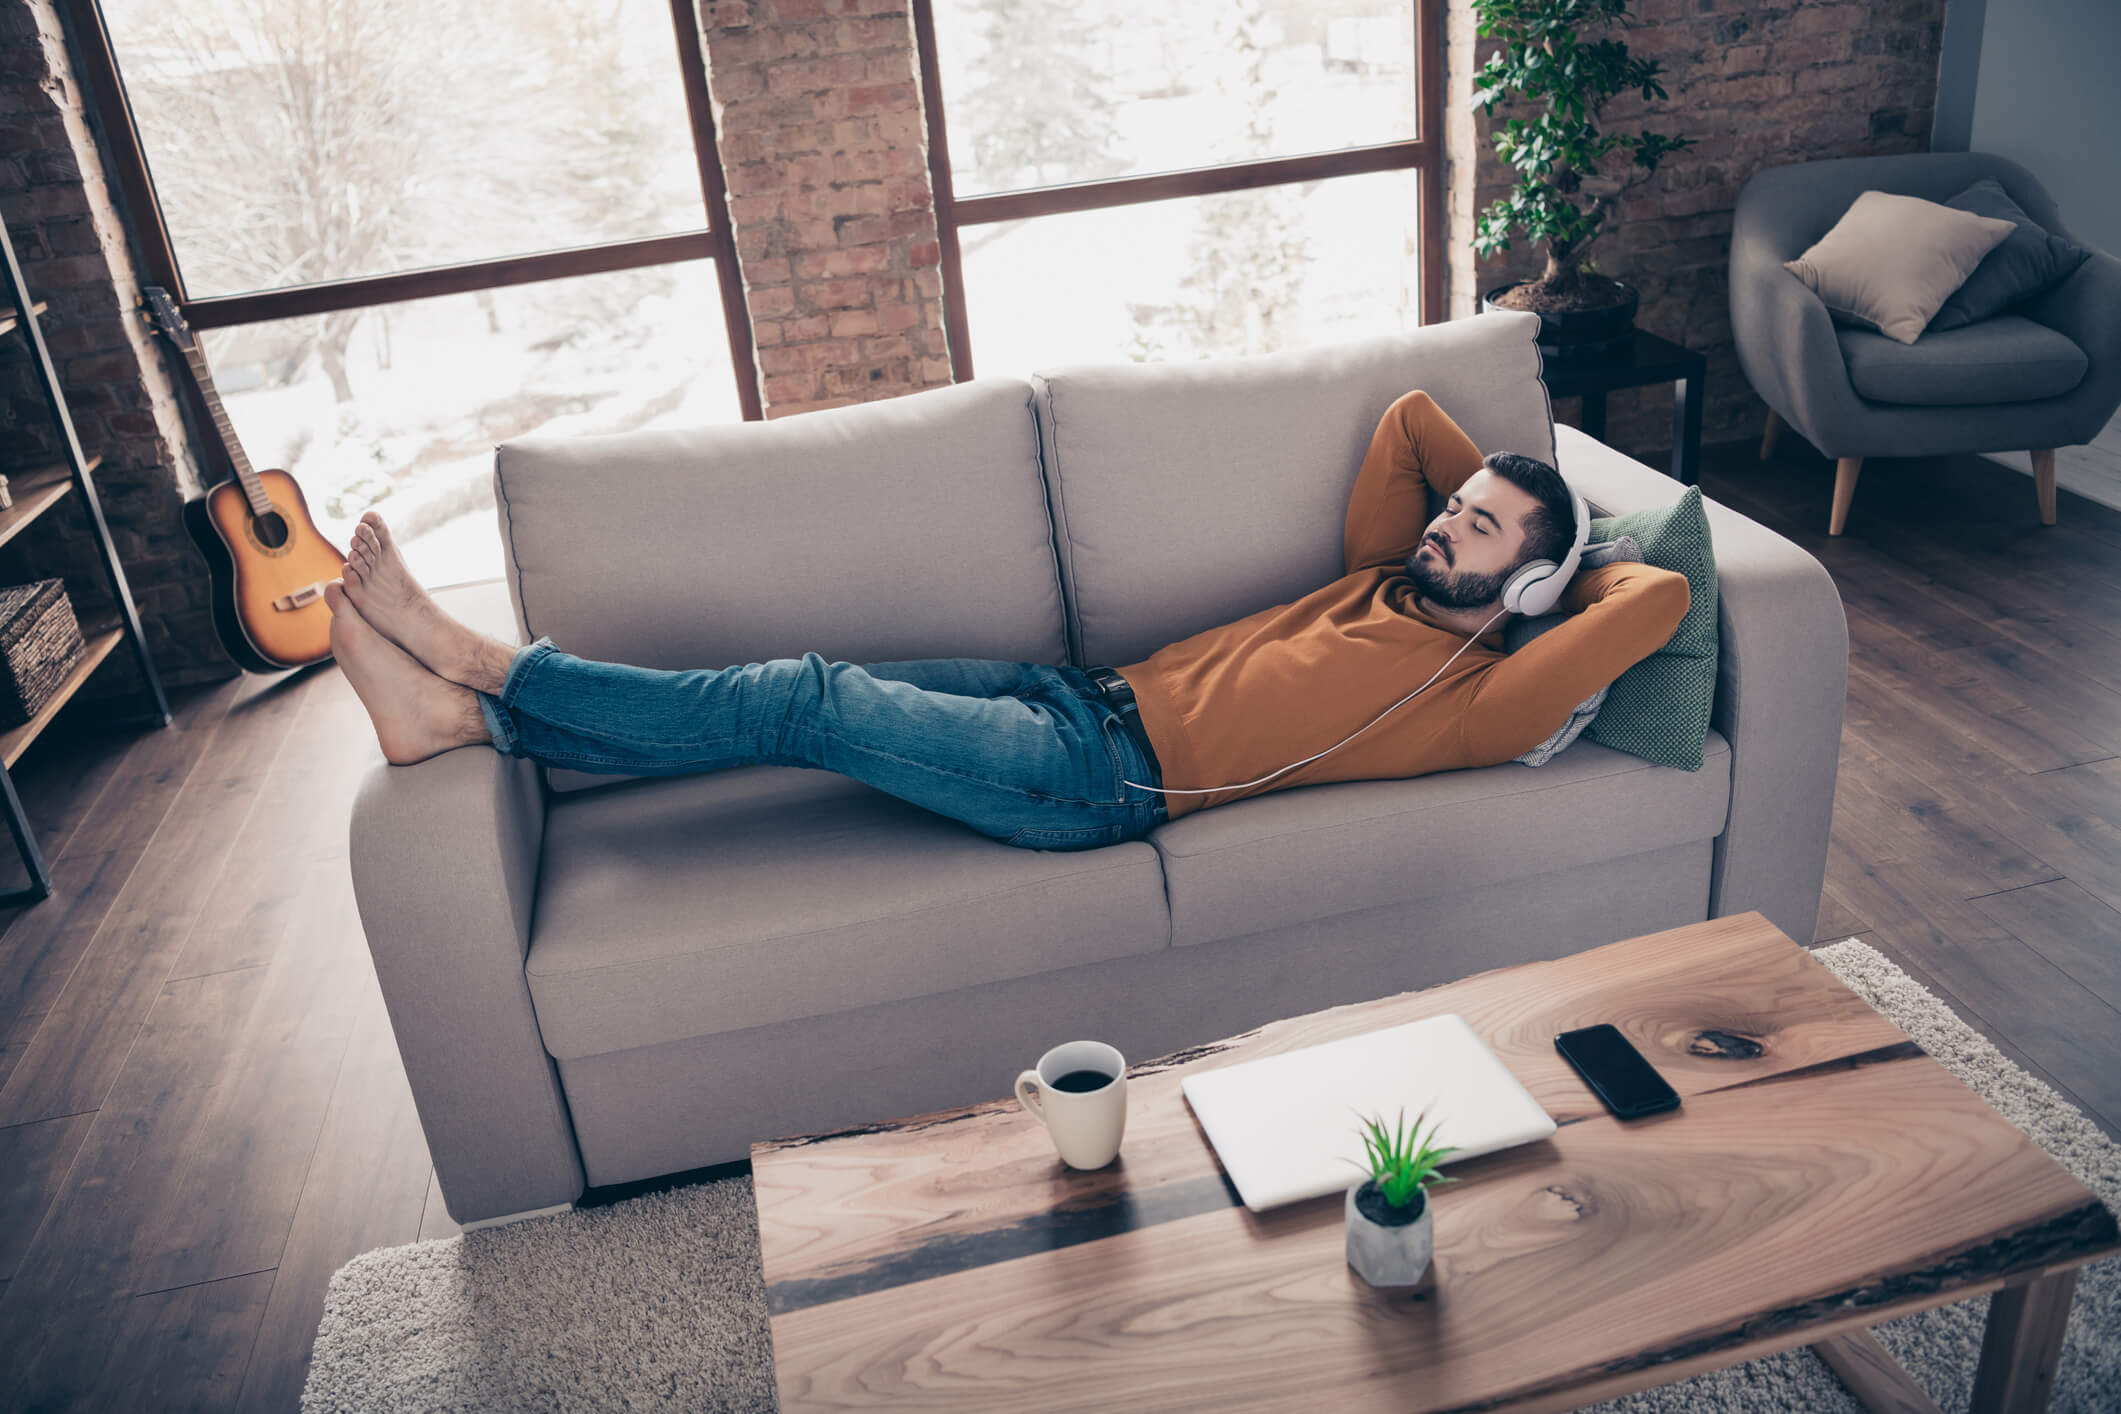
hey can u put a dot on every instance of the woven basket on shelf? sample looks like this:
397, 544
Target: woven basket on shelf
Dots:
40, 641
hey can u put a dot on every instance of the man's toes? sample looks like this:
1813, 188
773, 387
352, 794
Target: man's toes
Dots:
335, 595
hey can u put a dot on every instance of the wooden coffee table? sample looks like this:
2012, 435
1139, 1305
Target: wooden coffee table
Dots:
1822, 1175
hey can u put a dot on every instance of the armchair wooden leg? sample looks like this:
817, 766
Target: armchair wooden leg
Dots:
1845, 472
2044, 483
1767, 435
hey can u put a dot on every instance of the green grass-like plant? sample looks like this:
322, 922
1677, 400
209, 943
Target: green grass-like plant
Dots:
1402, 1162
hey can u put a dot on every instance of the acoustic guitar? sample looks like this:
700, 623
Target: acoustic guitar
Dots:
270, 563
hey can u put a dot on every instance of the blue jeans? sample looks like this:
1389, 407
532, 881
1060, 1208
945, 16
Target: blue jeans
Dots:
1029, 753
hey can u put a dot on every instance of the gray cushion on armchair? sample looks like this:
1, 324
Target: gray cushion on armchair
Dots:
2029, 261
2005, 359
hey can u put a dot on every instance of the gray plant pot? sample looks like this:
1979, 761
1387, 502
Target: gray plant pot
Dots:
1389, 1255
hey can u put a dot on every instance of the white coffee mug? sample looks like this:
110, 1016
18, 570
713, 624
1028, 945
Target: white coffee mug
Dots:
1085, 1124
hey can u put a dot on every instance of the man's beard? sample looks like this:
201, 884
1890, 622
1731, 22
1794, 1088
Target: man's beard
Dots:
1448, 589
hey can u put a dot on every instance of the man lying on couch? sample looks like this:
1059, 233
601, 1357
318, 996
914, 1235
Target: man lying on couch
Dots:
1057, 757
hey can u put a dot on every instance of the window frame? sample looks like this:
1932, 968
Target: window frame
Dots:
112, 111
1423, 153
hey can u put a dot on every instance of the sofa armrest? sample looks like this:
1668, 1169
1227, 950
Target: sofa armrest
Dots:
1782, 682
445, 868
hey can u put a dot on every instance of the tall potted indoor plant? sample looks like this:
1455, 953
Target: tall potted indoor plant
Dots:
1390, 1233
1560, 196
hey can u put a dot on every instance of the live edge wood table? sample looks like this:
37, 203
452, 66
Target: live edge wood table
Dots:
1822, 1175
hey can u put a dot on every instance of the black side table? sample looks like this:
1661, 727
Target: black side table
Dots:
1648, 360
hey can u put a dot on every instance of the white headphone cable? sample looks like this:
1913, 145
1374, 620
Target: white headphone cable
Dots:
1344, 740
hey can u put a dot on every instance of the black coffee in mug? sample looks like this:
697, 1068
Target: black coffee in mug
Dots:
1078, 1091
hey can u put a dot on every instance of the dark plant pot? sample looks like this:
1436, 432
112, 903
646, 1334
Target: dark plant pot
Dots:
1577, 333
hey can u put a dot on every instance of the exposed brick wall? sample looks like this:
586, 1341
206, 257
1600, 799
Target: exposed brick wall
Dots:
818, 109
72, 245
1755, 85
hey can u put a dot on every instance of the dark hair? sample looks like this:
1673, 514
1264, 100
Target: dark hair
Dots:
1550, 527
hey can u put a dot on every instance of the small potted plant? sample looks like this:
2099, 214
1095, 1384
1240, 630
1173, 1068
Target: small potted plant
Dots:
1390, 1234
1555, 61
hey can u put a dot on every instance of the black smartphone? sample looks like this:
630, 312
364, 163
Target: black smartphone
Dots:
1616, 1071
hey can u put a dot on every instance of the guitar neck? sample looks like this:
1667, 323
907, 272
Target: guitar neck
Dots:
253, 487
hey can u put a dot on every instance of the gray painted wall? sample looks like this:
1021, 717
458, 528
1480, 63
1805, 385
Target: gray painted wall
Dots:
1958, 65
2037, 82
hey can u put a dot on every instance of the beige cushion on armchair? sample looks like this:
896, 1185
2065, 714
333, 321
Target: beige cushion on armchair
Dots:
1892, 261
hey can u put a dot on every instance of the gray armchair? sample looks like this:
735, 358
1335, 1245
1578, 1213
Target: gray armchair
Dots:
2043, 375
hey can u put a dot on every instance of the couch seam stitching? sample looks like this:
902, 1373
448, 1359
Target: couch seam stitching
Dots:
1539, 376
508, 509
1076, 650
1047, 493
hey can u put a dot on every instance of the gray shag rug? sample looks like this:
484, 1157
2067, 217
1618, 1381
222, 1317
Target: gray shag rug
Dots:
657, 1303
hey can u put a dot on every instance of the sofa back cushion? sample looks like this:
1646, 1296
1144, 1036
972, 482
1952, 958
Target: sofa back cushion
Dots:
914, 527
1186, 495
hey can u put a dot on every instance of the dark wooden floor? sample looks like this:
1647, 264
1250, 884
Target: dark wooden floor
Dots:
1977, 819
202, 1112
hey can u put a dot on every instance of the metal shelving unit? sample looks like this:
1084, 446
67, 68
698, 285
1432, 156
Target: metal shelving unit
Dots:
36, 491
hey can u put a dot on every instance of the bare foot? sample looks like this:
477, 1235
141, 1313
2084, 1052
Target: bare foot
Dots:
416, 714
393, 603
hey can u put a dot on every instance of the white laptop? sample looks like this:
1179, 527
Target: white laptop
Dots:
1286, 1127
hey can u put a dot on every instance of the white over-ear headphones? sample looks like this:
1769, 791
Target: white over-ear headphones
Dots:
1531, 590
1536, 587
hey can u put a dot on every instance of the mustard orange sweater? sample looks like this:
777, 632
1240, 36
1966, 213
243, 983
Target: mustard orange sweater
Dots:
1233, 703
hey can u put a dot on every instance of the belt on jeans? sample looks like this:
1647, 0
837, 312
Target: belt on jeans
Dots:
1120, 698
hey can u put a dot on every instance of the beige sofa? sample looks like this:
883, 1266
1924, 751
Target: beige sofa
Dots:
596, 980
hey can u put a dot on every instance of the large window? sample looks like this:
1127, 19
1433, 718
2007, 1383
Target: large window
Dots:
433, 385
297, 141
405, 231
1232, 273
1200, 178
1040, 94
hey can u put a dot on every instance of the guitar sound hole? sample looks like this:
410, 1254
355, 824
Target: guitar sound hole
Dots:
271, 530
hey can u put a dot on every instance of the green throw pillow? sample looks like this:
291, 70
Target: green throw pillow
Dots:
1659, 709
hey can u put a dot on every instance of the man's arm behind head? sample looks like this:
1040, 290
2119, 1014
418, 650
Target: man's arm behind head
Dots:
1619, 615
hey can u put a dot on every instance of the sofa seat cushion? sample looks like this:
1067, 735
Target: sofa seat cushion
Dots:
1318, 851
2007, 359
692, 905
